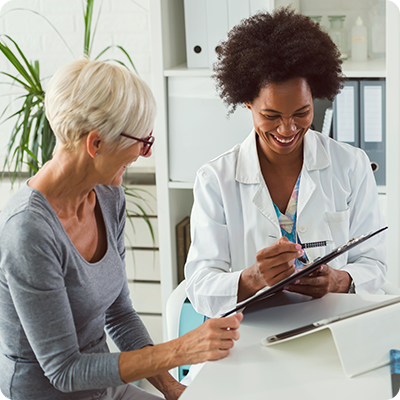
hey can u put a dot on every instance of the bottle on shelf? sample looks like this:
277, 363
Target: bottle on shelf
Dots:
338, 34
316, 18
359, 49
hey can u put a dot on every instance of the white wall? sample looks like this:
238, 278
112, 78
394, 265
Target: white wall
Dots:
122, 22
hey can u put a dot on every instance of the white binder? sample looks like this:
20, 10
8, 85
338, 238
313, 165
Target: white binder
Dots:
196, 33
217, 26
207, 23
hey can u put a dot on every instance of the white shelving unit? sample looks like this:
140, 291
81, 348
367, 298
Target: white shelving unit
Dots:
175, 198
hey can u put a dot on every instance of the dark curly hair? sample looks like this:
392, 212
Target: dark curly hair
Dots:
276, 47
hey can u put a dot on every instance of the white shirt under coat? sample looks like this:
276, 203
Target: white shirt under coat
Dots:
233, 217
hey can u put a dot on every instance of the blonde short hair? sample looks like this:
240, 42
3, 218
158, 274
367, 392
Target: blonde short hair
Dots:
90, 95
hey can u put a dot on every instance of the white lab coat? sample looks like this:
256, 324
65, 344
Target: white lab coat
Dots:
233, 218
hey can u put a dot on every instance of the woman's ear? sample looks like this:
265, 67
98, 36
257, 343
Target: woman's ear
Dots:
248, 105
93, 143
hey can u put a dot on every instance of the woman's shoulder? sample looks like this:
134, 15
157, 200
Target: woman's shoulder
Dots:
28, 215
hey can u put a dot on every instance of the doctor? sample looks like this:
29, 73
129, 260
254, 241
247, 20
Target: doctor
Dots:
285, 184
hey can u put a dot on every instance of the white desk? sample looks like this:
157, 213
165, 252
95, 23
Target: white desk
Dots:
293, 370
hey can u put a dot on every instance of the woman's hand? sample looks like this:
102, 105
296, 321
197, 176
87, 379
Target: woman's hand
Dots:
210, 341
322, 281
273, 264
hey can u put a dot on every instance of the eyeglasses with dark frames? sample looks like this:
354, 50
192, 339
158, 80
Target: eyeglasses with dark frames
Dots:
148, 141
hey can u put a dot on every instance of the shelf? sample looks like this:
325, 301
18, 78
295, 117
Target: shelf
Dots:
180, 185
368, 69
183, 70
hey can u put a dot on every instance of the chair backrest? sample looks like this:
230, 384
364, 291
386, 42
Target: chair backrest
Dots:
173, 310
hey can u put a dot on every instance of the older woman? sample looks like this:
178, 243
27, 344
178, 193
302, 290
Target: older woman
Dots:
285, 184
62, 276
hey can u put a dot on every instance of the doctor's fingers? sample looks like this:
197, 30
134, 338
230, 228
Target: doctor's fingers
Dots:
315, 291
278, 249
276, 274
277, 260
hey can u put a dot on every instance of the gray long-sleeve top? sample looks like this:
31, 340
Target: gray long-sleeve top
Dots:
54, 305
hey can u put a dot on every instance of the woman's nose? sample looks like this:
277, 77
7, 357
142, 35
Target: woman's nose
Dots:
286, 127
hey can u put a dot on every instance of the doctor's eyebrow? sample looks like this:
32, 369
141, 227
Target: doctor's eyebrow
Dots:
278, 112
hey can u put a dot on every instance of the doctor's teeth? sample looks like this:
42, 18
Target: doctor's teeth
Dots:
283, 140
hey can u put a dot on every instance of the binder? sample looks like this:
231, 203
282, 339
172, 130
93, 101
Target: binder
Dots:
188, 241
373, 127
196, 33
217, 26
181, 247
346, 114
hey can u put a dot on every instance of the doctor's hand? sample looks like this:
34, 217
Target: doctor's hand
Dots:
322, 281
273, 264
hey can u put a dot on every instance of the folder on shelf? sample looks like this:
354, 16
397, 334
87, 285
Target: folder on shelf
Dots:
196, 33
217, 26
372, 126
346, 114
181, 249
363, 338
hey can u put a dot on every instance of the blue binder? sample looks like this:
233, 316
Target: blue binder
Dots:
373, 126
346, 114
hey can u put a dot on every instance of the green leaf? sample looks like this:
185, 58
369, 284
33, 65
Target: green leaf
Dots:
95, 27
129, 58
88, 25
33, 78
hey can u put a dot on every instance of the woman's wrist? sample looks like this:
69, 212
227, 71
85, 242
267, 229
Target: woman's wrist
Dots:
149, 361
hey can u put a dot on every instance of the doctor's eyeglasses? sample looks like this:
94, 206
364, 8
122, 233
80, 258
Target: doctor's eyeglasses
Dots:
148, 141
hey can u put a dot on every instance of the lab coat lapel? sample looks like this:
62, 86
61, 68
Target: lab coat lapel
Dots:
248, 172
262, 200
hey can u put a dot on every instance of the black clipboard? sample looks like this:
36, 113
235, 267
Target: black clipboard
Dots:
270, 291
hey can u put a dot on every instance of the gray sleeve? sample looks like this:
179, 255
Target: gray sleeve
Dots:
124, 326
32, 265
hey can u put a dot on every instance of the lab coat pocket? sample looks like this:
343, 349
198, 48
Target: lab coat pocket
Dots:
339, 225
